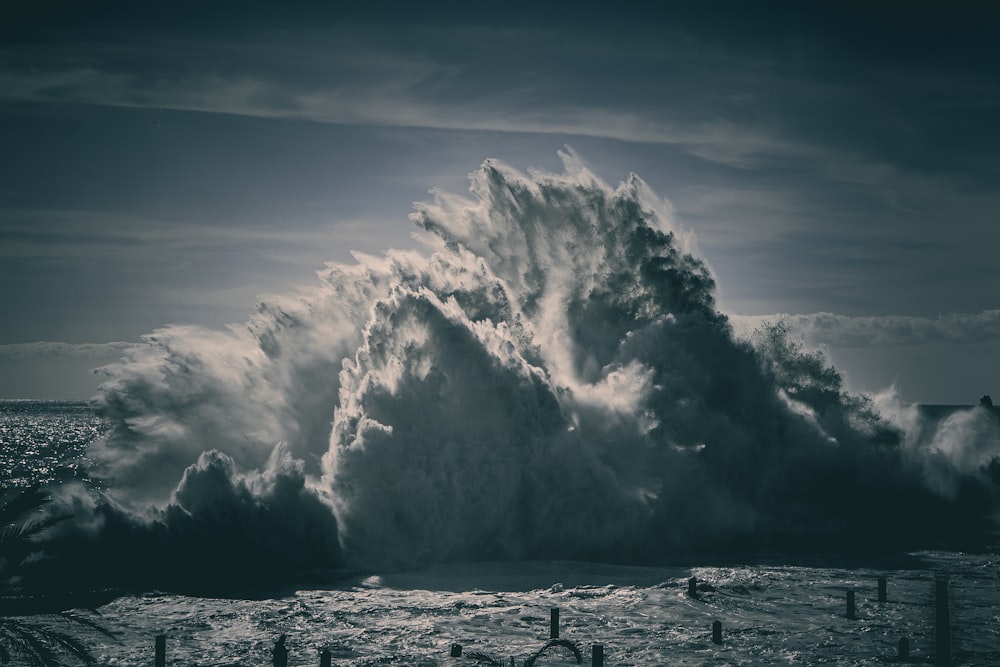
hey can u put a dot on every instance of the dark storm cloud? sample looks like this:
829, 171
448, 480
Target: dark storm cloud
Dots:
735, 86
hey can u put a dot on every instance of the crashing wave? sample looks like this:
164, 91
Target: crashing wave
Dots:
549, 379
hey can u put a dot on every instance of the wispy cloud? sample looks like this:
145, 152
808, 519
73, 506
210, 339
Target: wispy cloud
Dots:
636, 80
86, 234
398, 103
55, 349
885, 330
427, 77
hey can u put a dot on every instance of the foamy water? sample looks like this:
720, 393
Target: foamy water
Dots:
770, 614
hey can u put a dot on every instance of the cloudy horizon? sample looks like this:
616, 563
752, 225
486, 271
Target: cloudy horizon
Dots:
837, 162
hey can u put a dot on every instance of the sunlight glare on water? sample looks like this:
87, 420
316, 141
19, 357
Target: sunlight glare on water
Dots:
45, 441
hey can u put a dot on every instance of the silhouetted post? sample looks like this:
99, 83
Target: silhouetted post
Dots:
850, 606
456, 650
942, 624
693, 587
554, 623
325, 659
279, 655
717, 632
160, 656
904, 650
881, 589
597, 656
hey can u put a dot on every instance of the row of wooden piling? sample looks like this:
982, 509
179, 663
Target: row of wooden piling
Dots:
882, 597
942, 622
942, 631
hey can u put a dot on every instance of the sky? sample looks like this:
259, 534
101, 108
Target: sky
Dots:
838, 162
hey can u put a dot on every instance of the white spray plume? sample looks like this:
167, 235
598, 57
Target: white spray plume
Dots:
552, 380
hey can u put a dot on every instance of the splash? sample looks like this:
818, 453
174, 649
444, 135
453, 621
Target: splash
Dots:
549, 379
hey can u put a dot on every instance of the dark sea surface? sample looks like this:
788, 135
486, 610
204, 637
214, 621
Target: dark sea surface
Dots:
772, 613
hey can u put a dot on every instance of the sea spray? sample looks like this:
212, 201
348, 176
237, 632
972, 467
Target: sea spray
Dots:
549, 379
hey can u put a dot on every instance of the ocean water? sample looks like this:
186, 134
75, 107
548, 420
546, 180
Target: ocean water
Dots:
771, 615
772, 612
46, 441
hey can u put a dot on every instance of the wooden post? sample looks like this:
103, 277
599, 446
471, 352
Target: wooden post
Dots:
597, 656
693, 587
717, 632
881, 590
325, 658
554, 623
850, 606
160, 657
279, 655
904, 650
942, 624
456, 650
